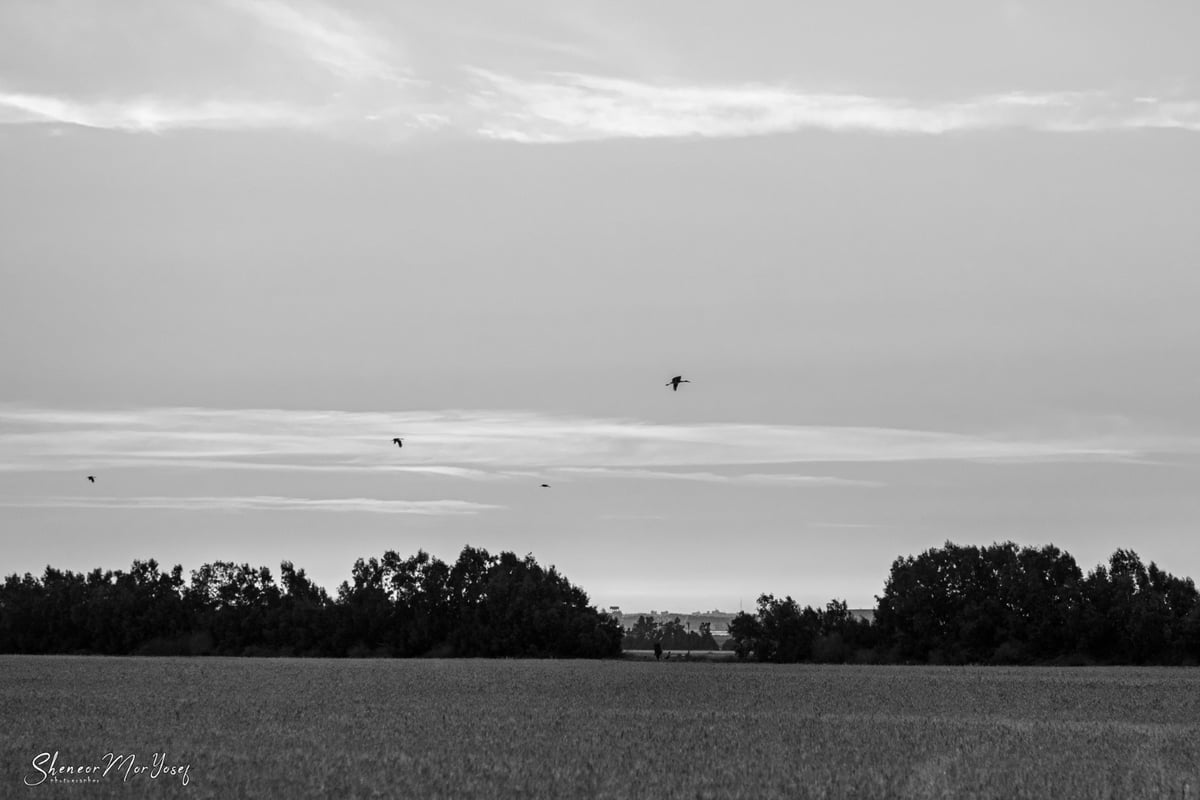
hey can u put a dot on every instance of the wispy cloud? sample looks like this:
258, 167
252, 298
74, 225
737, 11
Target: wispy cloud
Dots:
385, 73
364, 117
566, 107
563, 107
336, 41
631, 516
750, 478
483, 444
256, 503
154, 115
291, 65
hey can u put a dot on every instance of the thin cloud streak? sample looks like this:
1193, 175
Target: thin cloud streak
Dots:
256, 503
107, 463
153, 115
471, 444
752, 478
384, 75
337, 42
340, 76
567, 107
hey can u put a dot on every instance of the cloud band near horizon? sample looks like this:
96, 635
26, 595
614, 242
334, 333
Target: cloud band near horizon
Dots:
254, 503
499, 444
565, 107
558, 108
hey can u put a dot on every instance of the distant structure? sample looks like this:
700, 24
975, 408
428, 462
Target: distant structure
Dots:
718, 621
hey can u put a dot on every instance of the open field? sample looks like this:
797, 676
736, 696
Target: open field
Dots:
563, 729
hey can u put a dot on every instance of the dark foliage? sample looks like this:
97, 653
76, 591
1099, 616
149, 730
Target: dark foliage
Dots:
999, 605
955, 604
484, 605
783, 632
1004, 604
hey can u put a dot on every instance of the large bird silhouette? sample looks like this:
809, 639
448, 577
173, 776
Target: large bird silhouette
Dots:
674, 383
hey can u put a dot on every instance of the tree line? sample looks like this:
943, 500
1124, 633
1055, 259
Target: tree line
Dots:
999, 604
951, 605
482, 605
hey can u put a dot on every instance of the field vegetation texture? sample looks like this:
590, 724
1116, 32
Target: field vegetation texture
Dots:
429, 728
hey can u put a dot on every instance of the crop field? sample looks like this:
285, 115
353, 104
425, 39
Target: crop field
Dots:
251, 728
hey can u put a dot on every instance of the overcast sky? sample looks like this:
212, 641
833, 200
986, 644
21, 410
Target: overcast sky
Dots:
931, 268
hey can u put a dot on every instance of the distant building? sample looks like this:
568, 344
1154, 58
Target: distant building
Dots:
718, 621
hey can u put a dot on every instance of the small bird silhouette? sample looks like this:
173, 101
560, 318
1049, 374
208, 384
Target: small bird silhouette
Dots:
674, 383
545, 486
92, 478
397, 442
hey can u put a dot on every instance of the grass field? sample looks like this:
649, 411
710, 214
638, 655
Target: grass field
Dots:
253, 728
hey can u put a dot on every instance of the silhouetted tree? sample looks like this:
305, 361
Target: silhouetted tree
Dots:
956, 604
1008, 604
483, 605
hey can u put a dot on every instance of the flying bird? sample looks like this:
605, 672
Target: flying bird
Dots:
92, 478
397, 442
674, 383
545, 486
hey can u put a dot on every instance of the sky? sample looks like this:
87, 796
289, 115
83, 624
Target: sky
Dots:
929, 267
